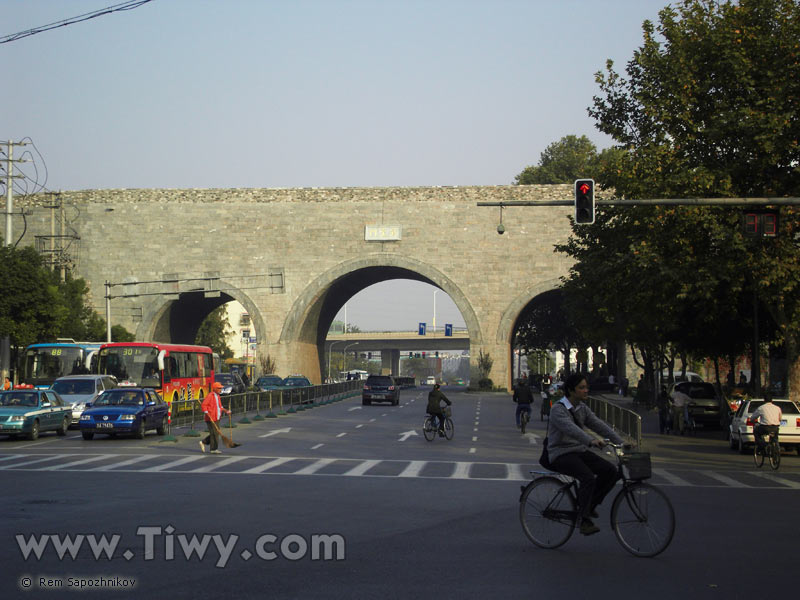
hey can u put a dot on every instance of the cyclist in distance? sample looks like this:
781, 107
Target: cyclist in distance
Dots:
767, 419
569, 447
435, 398
523, 396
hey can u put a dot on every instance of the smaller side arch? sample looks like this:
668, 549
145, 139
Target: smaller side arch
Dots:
509, 318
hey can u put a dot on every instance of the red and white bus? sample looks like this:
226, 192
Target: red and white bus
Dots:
176, 371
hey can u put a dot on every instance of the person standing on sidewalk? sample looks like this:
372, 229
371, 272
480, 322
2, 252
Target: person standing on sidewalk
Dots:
212, 412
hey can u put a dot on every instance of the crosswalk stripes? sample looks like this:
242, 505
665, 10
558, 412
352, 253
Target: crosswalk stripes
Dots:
746, 479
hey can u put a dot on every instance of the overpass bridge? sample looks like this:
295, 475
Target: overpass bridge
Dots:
392, 343
163, 259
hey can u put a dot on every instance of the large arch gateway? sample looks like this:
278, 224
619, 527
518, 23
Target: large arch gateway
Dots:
293, 257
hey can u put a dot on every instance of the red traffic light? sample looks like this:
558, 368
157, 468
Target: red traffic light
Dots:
584, 201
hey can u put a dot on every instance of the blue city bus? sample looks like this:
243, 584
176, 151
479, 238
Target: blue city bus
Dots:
43, 363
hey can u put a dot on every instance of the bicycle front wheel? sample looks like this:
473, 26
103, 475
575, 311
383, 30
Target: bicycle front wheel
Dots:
775, 456
449, 430
547, 511
758, 456
643, 519
523, 419
428, 429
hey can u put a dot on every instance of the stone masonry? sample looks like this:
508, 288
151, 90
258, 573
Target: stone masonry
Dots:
293, 257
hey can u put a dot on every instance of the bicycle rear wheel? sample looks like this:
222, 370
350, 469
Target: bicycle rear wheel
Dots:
775, 455
643, 519
523, 419
449, 430
758, 456
547, 511
428, 429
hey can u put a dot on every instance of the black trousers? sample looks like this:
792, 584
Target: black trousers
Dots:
211, 438
596, 477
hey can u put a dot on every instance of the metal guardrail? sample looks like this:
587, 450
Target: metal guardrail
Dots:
271, 403
621, 419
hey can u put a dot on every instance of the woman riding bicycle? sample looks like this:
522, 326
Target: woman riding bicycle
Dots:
435, 397
568, 446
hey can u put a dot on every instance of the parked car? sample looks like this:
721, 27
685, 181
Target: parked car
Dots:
231, 383
677, 377
707, 406
431, 380
741, 434
77, 390
458, 381
29, 412
380, 388
132, 410
269, 382
296, 381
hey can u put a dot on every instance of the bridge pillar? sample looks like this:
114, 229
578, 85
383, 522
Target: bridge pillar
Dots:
390, 362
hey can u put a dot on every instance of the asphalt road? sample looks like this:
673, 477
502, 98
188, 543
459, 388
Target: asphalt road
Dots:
388, 514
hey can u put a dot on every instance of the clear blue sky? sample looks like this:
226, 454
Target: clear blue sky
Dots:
306, 93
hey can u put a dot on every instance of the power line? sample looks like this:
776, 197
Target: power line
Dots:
129, 5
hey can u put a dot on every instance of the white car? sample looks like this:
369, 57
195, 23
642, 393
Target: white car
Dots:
742, 427
431, 380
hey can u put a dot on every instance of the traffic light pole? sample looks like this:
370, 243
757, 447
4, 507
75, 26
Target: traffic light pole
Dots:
786, 201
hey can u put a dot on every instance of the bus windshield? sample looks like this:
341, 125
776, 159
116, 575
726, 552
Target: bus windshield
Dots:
138, 364
44, 364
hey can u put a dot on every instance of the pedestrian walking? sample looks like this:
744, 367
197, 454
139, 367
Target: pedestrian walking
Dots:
212, 412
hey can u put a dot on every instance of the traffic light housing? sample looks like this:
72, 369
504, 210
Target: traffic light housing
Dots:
584, 201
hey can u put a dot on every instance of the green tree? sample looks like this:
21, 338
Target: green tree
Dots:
545, 325
564, 161
31, 308
214, 331
708, 108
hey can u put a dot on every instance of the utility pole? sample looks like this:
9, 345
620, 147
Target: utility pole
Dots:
5, 342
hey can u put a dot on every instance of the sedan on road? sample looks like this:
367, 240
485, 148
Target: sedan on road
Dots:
125, 410
266, 383
30, 412
231, 383
742, 425
380, 388
77, 390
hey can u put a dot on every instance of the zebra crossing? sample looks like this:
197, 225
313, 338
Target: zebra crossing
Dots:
359, 467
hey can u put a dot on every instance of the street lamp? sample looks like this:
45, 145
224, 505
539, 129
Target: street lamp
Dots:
330, 351
434, 311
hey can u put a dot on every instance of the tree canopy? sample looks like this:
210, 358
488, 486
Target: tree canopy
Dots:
708, 107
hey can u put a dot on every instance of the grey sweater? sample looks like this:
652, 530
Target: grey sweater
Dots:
567, 435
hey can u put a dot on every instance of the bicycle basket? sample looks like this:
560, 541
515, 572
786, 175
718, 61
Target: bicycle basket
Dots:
446, 411
636, 465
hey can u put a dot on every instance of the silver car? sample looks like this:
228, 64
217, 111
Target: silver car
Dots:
77, 390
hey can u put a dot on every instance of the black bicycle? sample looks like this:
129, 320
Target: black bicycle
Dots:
642, 516
772, 450
430, 425
524, 417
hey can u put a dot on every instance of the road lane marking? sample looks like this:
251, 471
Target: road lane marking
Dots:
515, 472
315, 466
78, 462
217, 465
317, 446
461, 471
268, 465
359, 426
413, 469
38, 460
472, 450
362, 468
776, 479
673, 479
174, 463
342, 434
729, 481
124, 463
11, 457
